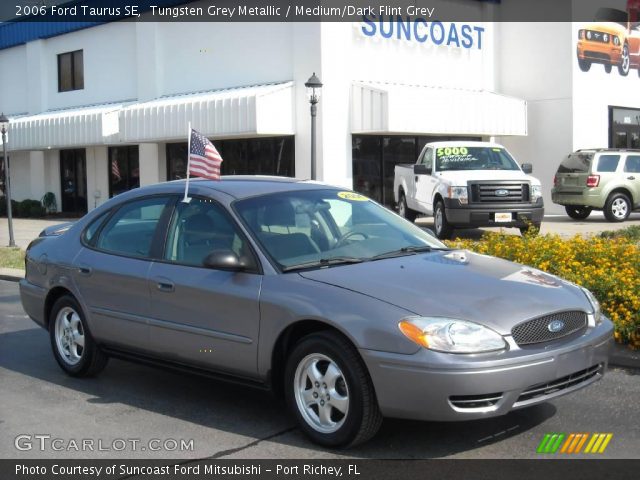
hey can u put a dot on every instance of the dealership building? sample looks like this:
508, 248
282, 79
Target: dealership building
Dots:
99, 109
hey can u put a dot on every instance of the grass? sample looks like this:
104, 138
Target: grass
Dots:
11, 258
631, 233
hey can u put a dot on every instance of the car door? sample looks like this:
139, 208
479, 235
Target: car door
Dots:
203, 316
425, 183
632, 176
111, 272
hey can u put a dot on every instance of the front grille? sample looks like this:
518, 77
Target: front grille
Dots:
539, 329
470, 402
499, 192
595, 36
550, 388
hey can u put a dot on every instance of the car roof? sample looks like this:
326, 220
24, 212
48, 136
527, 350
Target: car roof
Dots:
600, 150
239, 186
461, 143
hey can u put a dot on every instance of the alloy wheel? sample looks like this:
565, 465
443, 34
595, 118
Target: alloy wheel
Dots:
619, 208
69, 335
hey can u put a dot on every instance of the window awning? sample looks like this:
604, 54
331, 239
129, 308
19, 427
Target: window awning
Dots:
416, 109
243, 111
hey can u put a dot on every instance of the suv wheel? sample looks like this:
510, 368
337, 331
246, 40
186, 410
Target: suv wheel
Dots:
623, 68
329, 391
443, 228
617, 208
73, 346
577, 212
403, 210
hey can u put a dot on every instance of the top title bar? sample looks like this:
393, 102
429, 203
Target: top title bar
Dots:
319, 11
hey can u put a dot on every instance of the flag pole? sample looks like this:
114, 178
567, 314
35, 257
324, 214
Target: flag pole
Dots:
186, 198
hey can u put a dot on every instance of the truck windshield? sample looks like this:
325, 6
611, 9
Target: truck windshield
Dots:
473, 158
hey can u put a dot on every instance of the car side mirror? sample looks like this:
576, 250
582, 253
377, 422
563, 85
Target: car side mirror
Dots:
225, 260
527, 168
421, 169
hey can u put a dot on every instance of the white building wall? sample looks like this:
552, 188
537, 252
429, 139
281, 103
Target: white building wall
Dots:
52, 174
20, 174
13, 72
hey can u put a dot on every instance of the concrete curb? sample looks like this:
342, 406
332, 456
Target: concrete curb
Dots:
11, 274
623, 356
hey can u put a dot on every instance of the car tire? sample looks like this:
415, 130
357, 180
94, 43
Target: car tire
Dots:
404, 210
578, 212
532, 229
325, 367
585, 65
608, 68
623, 68
73, 346
441, 225
617, 207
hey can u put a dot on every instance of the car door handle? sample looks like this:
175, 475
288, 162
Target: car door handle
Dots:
165, 286
631, 178
84, 270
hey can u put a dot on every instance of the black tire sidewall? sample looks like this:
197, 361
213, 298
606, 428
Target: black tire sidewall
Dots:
445, 232
319, 343
572, 211
89, 346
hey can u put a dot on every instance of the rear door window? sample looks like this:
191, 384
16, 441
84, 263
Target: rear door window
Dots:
576, 163
632, 165
608, 163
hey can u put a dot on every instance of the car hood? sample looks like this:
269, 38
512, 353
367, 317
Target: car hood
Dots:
459, 177
458, 284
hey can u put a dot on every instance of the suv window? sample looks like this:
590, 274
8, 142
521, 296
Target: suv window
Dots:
576, 163
608, 163
200, 227
632, 165
131, 229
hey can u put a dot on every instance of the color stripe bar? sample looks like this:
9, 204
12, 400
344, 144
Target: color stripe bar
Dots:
556, 445
591, 442
582, 441
543, 443
606, 442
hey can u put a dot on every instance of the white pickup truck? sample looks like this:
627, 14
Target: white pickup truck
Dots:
468, 184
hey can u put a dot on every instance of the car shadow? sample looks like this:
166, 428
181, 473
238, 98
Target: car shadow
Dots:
247, 411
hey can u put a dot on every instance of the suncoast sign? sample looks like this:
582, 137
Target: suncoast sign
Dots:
450, 34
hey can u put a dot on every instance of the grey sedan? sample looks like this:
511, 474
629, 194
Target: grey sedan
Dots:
348, 311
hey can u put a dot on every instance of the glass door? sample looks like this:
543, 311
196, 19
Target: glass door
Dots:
73, 177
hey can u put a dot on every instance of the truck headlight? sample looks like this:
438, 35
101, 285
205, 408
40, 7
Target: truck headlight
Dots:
459, 193
536, 192
451, 335
595, 306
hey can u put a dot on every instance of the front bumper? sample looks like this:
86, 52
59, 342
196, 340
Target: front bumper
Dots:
483, 215
606, 53
429, 385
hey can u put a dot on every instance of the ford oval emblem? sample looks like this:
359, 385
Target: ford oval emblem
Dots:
555, 326
501, 192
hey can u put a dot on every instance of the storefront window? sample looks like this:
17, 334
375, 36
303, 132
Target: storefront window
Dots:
246, 156
375, 157
624, 127
124, 169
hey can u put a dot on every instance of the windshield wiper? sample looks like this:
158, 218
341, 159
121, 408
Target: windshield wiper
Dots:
324, 262
407, 251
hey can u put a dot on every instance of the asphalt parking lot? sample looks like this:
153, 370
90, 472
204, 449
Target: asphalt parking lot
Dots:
129, 401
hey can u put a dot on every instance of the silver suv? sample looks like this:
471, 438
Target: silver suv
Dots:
599, 179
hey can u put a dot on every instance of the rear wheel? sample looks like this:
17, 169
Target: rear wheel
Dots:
403, 210
617, 208
329, 391
443, 228
578, 212
73, 346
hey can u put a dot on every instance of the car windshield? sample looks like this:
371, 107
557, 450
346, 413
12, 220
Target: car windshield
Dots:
316, 228
473, 158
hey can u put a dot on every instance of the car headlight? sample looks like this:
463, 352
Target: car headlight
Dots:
616, 40
459, 193
595, 305
588, 34
451, 335
536, 192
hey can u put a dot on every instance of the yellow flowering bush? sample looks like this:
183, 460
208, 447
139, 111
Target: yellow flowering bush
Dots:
609, 267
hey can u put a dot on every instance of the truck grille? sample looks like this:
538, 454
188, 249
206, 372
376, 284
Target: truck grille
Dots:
549, 327
550, 388
499, 192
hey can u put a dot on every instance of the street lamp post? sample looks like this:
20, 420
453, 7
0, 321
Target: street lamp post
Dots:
4, 124
313, 93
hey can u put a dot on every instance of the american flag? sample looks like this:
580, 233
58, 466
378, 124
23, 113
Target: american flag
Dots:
115, 170
204, 159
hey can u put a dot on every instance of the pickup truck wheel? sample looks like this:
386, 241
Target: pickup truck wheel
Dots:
617, 208
443, 228
404, 211
73, 346
578, 213
329, 391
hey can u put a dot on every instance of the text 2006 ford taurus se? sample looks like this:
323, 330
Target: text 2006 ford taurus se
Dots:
321, 294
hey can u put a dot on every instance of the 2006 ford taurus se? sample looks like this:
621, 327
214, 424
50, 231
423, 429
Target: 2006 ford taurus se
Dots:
349, 311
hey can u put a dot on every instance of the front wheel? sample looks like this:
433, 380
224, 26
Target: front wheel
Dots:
443, 228
585, 65
623, 68
617, 208
73, 346
329, 391
578, 212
